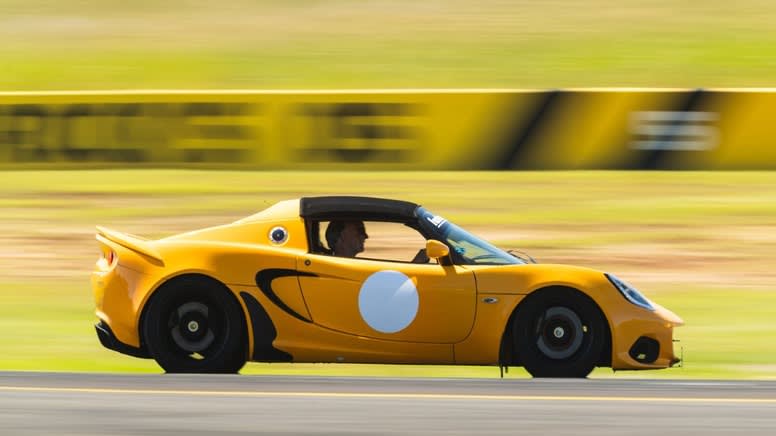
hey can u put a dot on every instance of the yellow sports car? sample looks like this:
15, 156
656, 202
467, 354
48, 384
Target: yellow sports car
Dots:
370, 280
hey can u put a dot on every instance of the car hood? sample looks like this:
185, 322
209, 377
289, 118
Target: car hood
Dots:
524, 278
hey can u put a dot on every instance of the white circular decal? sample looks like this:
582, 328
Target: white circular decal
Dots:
388, 301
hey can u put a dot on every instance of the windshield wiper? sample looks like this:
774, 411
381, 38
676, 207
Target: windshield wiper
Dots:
525, 257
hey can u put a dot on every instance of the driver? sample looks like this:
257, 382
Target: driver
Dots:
346, 238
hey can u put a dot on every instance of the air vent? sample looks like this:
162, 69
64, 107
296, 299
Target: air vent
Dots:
645, 350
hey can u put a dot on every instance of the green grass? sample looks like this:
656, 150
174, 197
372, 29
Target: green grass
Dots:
699, 243
385, 44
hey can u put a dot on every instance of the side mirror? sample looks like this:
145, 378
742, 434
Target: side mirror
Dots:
436, 249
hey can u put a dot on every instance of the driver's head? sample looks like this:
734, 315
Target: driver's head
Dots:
346, 238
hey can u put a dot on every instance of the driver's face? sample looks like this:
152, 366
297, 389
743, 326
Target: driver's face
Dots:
352, 237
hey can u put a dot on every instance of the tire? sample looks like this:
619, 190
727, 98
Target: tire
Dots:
559, 332
195, 325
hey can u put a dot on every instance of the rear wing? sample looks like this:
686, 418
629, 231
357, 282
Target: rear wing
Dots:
142, 246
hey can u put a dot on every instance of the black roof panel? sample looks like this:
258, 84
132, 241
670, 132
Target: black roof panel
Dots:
367, 208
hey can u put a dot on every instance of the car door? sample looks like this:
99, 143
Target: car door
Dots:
396, 301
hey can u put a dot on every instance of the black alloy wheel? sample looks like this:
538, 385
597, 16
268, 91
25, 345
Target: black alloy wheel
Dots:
195, 325
559, 332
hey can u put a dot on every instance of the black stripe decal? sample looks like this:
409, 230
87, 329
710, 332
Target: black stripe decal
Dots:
520, 139
264, 280
264, 333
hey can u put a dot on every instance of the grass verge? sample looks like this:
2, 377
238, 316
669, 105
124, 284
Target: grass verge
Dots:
303, 44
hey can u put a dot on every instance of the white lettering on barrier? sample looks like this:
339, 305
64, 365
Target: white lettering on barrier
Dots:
674, 130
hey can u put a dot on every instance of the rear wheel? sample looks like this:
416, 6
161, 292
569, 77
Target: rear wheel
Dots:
195, 325
559, 333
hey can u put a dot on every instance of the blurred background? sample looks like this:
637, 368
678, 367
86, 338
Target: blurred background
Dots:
303, 44
702, 243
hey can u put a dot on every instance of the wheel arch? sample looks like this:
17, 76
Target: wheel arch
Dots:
508, 355
199, 277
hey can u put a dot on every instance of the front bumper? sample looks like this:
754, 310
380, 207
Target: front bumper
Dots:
645, 341
109, 341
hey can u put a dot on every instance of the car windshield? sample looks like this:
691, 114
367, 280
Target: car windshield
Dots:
468, 249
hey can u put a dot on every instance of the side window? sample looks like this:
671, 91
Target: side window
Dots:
392, 241
388, 241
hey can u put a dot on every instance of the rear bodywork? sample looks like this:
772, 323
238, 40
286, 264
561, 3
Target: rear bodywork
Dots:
298, 305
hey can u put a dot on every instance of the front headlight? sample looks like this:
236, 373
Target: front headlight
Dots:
630, 293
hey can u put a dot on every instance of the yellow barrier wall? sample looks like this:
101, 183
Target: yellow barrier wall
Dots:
424, 129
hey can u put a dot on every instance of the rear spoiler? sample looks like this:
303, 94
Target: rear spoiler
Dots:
134, 243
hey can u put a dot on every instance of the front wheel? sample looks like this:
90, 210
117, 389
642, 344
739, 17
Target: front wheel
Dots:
559, 333
194, 325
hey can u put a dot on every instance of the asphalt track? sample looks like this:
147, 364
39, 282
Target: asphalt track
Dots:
92, 404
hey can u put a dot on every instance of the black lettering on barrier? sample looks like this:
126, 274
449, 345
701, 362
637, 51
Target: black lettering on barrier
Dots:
70, 149
358, 132
26, 110
215, 109
210, 136
202, 109
126, 132
122, 131
24, 124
